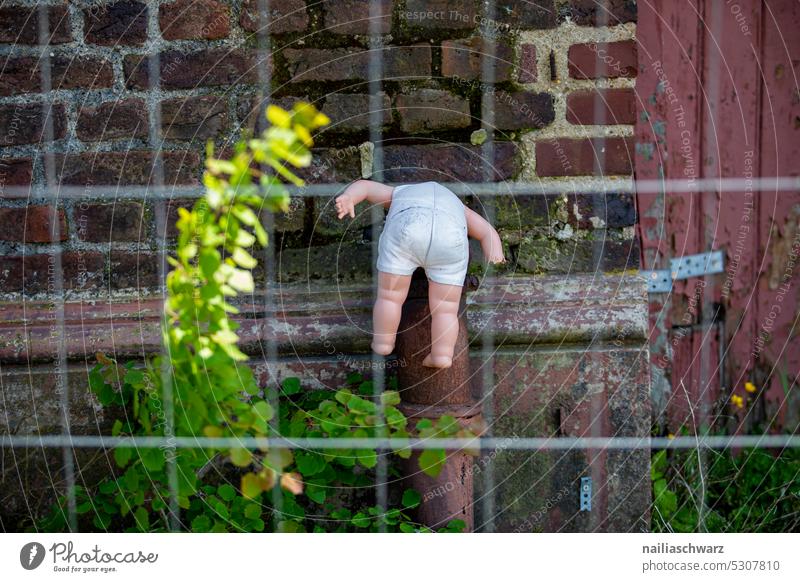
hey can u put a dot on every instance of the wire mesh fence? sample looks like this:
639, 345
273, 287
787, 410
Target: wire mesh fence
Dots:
158, 193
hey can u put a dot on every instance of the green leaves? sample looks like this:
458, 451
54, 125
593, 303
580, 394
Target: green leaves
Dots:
122, 455
291, 386
411, 499
211, 266
431, 461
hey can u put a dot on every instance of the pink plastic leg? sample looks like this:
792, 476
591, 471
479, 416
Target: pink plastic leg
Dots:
392, 291
443, 301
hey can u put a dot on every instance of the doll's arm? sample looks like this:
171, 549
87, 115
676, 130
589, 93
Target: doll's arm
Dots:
360, 190
479, 229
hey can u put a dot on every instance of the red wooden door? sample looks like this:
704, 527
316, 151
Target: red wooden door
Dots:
718, 97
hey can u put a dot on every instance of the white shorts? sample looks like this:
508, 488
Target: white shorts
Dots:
432, 238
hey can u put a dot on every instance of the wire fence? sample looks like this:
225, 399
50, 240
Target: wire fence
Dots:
159, 192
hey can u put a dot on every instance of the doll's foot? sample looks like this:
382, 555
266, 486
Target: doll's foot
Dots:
432, 361
382, 349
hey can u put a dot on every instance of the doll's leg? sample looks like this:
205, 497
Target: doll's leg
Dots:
443, 300
392, 291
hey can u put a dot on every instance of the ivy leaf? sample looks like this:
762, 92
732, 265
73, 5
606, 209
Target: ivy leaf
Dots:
226, 492
431, 461
309, 463
290, 527
241, 457
252, 511
316, 493
390, 398
366, 457
251, 485
291, 386
122, 455
201, 523
411, 498
142, 518
360, 520
153, 459
264, 411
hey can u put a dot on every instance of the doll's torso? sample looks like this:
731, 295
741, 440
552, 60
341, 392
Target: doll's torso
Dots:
426, 195
426, 227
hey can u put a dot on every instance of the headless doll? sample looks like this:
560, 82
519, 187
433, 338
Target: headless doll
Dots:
427, 226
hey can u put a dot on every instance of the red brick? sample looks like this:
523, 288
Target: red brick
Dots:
192, 118
128, 167
525, 14
32, 224
285, 16
462, 58
36, 273
441, 14
352, 16
431, 109
448, 162
350, 112
113, 120
595, 60
15, 172
23, 123
20, 25
577, 157
121, 23
111, 222
194, 19
527, 64
23, 75
399, 62
133, 270
594, 13
523, 110
187, 70
602, 107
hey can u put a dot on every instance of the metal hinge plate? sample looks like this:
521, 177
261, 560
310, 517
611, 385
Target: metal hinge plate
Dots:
660, 280
586, 493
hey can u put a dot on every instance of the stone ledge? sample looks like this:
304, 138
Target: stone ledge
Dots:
580, 309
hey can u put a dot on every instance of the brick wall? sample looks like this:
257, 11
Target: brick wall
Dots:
557, 121
569, 313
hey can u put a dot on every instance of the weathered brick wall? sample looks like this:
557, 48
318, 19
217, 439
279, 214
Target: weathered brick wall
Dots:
549, 124
569, 313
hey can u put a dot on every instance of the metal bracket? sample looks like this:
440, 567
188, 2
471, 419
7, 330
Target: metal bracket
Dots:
586, 493
660, 280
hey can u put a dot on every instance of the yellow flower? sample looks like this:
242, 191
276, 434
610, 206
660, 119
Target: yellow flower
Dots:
670, 436
750, 387
737, 400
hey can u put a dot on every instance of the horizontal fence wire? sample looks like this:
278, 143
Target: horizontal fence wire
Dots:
571, 185
493, 443
583, 185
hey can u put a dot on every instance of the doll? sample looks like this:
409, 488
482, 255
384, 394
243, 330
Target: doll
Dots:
427, 226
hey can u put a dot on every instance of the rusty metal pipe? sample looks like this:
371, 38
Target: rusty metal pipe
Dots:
433, 393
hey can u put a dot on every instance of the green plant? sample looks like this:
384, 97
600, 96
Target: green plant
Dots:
215, 394
754, 491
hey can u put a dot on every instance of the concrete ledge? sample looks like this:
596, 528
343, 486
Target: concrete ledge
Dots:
575, 309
